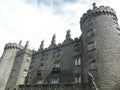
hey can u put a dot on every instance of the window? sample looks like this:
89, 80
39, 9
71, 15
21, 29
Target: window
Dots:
77, 47
28, 59
42, 56
77, 60
46, 56
40, 81
27, 81
42, 67
24, 73
57, 65
90, 33
92, 65
91, 46
13, 73
88, 22
55, 80
77, 78
115, 19
118, 30
56, 53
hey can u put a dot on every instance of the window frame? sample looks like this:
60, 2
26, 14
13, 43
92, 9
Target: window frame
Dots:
77, 60
77, 78
57, 64
91, 46
55, 80
77, 47
90, 33
92, 65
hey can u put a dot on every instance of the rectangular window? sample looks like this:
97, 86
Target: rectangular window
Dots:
58, 52
90, 33
91, 46
92, 65
118, 30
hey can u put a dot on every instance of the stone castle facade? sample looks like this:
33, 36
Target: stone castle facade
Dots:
90, 62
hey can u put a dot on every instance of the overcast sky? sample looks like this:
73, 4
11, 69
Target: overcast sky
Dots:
37, 20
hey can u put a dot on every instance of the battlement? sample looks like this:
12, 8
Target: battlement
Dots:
12, 46
97, 11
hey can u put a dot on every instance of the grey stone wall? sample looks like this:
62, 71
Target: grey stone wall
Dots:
64, 54
6, 63
107, 44
82, 86
19, 67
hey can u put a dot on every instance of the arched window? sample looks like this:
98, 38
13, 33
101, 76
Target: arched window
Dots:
77, 61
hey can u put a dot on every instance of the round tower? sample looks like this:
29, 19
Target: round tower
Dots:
101, 45
7, 61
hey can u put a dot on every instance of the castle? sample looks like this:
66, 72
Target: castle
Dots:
91, 62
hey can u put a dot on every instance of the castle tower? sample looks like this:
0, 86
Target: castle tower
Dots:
101, 45
6, 63
20, 67
25, 58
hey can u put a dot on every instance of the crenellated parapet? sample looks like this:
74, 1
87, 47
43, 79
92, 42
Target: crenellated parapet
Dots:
97, 11
12, 46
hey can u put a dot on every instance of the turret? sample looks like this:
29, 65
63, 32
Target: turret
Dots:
101, 45
12, 46
20, 66
6, 63
98, 11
